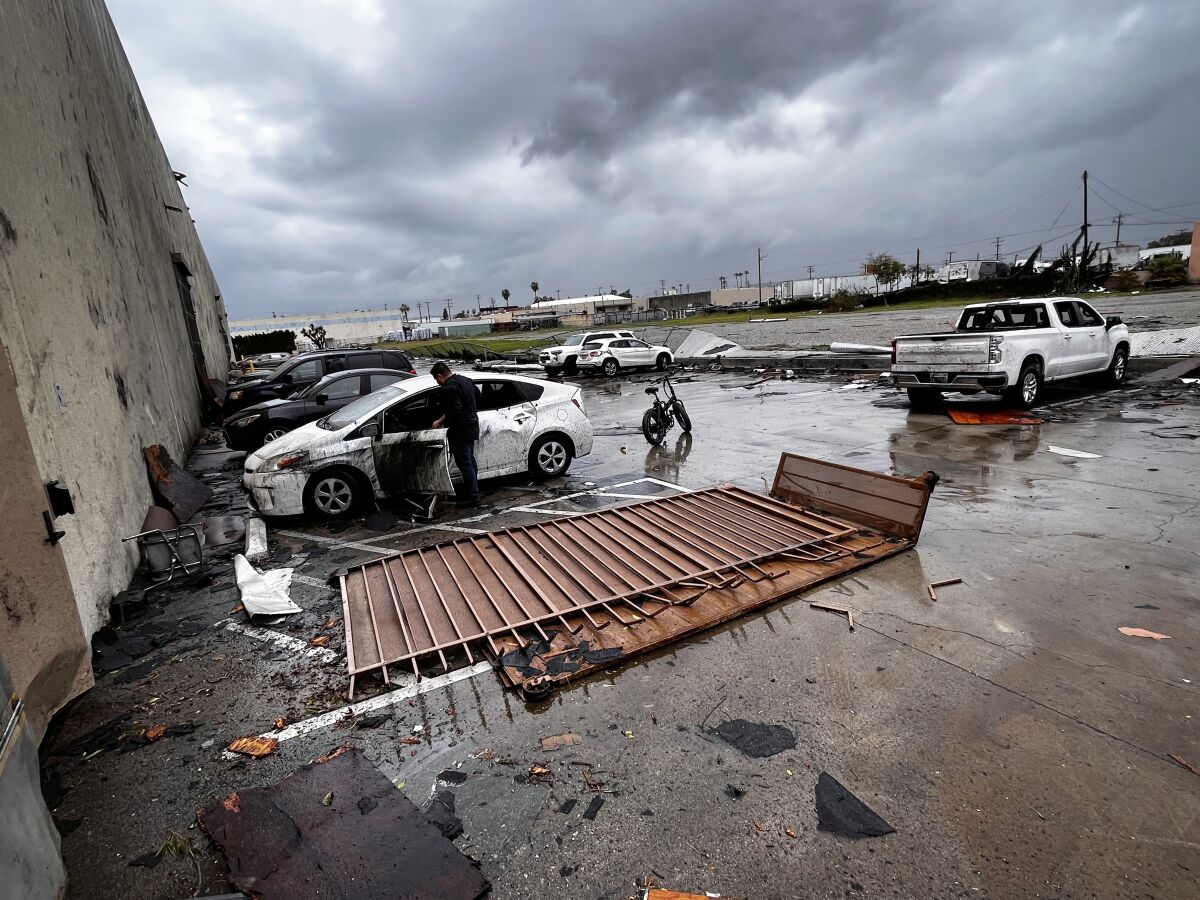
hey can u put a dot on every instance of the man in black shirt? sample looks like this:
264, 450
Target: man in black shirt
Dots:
460, 417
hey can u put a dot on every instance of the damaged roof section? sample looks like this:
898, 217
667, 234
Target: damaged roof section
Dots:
556, 599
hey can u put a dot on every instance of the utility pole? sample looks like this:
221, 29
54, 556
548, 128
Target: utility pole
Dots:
662, 286
999, 241
1117, 221
951, 259
1085, 211
810, 268
558, 294
917, 270
760, 259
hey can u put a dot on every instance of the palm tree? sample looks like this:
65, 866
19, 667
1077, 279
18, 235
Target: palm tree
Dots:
504, 294
533, 285
404, 311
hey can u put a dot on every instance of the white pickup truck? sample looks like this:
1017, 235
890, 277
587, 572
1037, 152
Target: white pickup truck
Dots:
1011, 347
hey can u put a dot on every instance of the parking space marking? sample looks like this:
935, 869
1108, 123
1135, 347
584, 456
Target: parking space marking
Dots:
332, 543
296, 645
371, 704
310, 581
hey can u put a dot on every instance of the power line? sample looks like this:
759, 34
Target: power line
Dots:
1138, 202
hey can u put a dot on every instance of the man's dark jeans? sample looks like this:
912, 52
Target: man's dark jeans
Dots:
463, 452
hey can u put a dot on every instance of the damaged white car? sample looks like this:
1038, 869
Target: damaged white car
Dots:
382, 445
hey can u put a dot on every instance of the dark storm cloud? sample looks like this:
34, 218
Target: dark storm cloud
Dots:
360, 152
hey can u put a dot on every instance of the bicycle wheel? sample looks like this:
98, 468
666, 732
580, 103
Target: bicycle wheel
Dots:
681, 416
653, 426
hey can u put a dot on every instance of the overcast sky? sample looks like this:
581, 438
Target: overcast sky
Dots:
344, 154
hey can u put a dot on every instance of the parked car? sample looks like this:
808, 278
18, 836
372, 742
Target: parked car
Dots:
270, 420
563, 359
383, 445
307, 368
1012, 347
613, 355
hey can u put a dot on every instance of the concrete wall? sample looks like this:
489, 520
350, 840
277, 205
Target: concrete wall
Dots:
89, 307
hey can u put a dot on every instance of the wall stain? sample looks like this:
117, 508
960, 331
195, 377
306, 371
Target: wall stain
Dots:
7, 231
97, 191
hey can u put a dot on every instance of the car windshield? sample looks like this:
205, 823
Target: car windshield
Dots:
352, 412
573, 340
1004, 318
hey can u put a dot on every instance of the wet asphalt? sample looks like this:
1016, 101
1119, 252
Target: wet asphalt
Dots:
1014, 739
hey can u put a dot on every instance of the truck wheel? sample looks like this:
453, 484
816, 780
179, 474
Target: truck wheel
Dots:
553, 371
924, 398
1028, 389
569, 367
1116, 369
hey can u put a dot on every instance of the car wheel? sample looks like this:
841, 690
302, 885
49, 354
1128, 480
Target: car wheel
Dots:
274, 433
1028, 388
611, 367
549, 456
553, 371
653, 427
662, 362
1117, 368
332, 494
569, 367
924, 398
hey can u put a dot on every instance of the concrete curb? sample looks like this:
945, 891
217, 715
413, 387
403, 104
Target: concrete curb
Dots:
256, 539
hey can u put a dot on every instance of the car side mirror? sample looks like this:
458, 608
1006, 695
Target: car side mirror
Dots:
371, 430
1111, 321
321, 399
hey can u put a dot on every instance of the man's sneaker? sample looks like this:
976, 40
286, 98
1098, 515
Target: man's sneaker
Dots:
467, 503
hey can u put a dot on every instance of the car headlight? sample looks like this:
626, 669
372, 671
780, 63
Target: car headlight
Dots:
242, 423
236, 395
275, 463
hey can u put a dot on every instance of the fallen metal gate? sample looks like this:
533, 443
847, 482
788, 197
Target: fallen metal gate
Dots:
594, 569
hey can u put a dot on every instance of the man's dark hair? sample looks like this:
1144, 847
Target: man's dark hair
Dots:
439, 368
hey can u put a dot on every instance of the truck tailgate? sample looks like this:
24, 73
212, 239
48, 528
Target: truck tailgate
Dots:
931, 351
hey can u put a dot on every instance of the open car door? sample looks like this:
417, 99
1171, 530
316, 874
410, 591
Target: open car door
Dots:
411, 457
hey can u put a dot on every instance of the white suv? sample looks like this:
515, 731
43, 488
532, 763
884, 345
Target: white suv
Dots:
564, 358
623, 353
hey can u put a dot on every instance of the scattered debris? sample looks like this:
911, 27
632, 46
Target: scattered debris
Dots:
558, 741
254, 746
840, 812
453, 776
758, 826
568, 806
755, 738
411, 739
280, 844
841, 610
153, 734
964, 415
374, 722
264, 594
384, 520
1195, 770
934, 585
256, 539
593, 808
320, 641
440, 812
179, 491
663, 894
542, 774
1143, 633
147, 860
790, 832
734, 793
280, 722
1075, 454
327, 800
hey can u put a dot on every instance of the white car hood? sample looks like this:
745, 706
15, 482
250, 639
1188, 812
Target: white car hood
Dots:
306, 437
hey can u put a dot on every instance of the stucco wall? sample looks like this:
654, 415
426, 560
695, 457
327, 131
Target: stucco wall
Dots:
89, 307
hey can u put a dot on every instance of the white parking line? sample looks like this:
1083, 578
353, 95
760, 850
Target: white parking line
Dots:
310, 581
333, 543
296, 645
331, 718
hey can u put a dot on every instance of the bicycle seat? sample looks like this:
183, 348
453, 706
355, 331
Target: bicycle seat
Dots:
651, 390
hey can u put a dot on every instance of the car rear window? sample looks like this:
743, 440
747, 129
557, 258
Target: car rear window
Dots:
1005, 318
529, 392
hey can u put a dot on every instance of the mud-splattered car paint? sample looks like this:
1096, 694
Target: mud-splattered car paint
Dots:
382, 445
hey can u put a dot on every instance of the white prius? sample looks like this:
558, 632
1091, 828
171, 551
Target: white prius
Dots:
382, 445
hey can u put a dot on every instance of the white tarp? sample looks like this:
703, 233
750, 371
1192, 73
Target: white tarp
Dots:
264, 594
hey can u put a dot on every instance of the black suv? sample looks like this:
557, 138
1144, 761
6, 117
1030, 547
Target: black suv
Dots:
307, 368
263, 422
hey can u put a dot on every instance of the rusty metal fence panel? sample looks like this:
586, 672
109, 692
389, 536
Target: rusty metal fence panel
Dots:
625, 565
